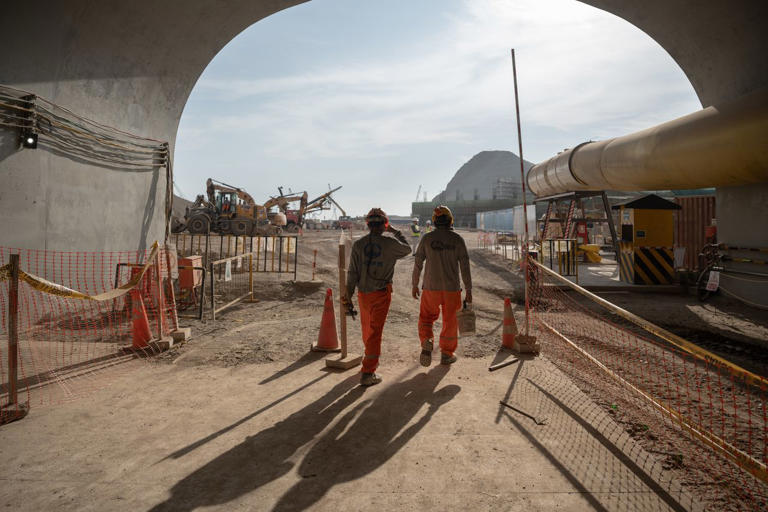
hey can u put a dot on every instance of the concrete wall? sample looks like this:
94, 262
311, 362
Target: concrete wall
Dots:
132, 64
744, 223
127, 64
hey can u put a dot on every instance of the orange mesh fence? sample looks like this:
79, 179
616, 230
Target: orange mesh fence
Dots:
82, 318
703, 417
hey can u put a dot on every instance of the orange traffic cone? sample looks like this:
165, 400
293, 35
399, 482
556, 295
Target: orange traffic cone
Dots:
327, 340
141, 331
509, 329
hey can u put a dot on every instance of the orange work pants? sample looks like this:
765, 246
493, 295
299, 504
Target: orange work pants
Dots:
431, 301
374, 307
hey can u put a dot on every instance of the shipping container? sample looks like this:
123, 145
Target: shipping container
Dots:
509, 220
691, 223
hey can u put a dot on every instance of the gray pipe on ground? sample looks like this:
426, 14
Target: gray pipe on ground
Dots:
718, 146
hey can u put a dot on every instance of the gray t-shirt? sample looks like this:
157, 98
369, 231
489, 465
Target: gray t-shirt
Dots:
372, 262
445, 253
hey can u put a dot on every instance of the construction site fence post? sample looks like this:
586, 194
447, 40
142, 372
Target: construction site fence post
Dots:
295, 259
171, 292
250, 272
213, 292
13, 332
160, 298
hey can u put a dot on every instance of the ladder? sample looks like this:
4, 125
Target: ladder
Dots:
546, 221
569, 219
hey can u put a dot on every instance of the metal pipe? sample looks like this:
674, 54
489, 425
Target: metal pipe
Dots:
721, 145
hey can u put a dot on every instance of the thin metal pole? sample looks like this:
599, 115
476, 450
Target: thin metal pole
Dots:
250, 274
295, 259
207, 247
213, 294
273, 252
525, 202
160, 298
13, 331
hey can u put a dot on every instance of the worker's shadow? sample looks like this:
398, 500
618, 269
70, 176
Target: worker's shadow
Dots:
260, 458
366, 443
366, 437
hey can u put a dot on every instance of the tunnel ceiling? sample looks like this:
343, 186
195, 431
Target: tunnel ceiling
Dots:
161, 48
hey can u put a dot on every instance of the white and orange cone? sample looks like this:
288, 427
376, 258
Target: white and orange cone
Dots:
327, 339
509, 326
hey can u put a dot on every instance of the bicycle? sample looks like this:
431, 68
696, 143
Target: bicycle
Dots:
713, 262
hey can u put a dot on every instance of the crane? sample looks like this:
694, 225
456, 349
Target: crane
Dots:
418, 193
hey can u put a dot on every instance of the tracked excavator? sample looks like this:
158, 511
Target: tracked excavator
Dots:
229, 210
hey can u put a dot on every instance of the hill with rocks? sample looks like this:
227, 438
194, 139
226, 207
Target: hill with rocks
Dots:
479, 178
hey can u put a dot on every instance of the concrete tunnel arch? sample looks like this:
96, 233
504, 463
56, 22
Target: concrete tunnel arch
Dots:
132, 65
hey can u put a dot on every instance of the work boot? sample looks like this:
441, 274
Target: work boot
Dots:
426, 353
369, 379
446, 359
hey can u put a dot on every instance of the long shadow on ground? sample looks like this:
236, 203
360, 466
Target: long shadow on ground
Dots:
261, 458
366, 436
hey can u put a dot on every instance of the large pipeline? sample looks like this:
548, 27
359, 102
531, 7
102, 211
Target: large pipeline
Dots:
723, 145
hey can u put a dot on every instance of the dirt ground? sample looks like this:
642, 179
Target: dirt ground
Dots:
245, 417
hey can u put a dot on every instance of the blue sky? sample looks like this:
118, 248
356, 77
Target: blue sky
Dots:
383, 96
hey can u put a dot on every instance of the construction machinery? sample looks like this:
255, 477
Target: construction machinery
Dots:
295, 217
227, 210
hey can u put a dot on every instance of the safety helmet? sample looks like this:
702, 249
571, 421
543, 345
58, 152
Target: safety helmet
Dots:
377, 215
442, 215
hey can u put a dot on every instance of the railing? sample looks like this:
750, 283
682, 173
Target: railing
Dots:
232, 278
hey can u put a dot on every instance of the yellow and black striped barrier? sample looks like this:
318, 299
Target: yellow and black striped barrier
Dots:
646, 265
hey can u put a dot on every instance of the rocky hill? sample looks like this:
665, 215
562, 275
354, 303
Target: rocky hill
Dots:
479, 177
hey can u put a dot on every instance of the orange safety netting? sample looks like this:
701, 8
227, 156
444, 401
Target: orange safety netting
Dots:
78, 317
693, 409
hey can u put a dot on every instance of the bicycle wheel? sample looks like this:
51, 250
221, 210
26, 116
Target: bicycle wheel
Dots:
701, 285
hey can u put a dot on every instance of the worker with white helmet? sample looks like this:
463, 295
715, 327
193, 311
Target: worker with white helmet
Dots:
445, 254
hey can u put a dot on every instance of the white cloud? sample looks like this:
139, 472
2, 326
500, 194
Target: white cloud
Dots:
577, 66
582, 72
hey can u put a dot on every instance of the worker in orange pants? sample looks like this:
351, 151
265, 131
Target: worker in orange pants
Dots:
371, 269
442, 254
374, 307
432, 301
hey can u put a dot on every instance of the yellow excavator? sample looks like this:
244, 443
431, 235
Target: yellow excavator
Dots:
227, 210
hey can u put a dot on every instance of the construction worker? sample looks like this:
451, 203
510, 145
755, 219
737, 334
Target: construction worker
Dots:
445, 254
371, 268
415, 233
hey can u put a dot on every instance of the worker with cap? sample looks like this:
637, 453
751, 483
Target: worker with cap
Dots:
371, 269
445, 254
